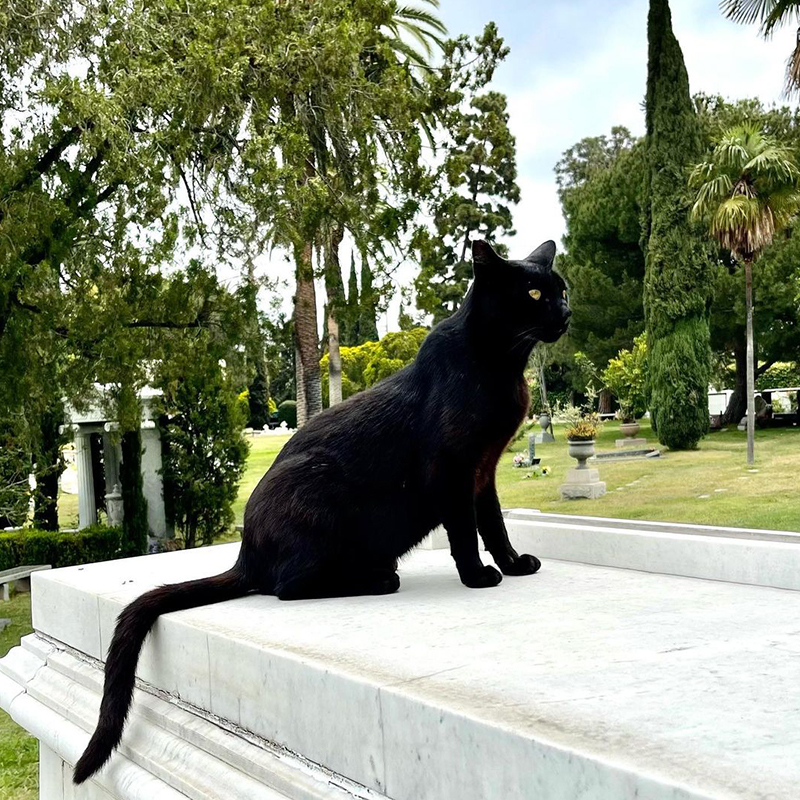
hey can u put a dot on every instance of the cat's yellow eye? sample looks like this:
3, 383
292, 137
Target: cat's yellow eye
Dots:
564, 294
535, 294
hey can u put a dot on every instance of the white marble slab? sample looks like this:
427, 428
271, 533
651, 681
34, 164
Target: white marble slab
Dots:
580, 682
695, 552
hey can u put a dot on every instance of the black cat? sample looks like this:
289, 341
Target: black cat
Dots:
366, 480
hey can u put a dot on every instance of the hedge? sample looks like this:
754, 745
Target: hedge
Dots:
58, 548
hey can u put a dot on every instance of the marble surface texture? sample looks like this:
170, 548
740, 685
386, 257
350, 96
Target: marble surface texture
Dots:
582, 682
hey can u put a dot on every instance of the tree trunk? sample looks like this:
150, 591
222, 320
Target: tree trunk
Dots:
300, 388
307, 337
134, 526
737, 405
751, 410
604, 401
49, 466
334, 288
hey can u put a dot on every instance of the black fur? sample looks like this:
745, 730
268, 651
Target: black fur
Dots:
364, 482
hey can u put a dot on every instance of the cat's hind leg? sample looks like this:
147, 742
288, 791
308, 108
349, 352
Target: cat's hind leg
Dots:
335, 581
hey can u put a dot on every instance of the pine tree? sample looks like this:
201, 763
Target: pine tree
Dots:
677, 268
477, 179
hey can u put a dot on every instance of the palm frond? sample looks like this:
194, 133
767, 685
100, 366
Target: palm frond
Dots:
710, 194
770, 14
731, 153
773, 164
422, 17
792, 85
743, 224
413, 56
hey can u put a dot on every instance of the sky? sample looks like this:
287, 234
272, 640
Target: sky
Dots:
578, 67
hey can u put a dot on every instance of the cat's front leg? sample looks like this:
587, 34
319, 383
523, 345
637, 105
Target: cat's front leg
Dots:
458, 518
493, 531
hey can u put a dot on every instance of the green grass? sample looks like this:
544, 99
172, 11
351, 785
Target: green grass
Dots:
670, 488
19, 752
712, 485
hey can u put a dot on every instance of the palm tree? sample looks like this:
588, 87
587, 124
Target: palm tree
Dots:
748, 188
770, 14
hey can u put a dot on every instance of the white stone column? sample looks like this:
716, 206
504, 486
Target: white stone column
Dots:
87, 510
153, 483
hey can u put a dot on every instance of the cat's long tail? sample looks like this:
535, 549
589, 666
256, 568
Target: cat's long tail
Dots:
133, 625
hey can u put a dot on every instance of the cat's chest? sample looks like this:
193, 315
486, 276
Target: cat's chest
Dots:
506, 405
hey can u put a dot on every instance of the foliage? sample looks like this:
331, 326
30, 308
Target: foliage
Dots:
600, 186
59, 548
15, 466
365, 365
777, 321
780, 376
258, 396
206, 452
584, 430
626, 377
581, 423
477, 178
287, 412
748, 187
677, 270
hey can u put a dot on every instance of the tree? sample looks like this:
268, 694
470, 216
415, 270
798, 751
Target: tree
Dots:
368, 305
600, 187
477, 179
677, 270
258, 396
626, 376
366, 364
748, 188
770, 14
206, 452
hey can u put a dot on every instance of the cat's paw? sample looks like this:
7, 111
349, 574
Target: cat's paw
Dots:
522, 565
485, 576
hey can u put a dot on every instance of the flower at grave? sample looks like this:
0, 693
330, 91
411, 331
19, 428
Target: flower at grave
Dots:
545, 470
520, 460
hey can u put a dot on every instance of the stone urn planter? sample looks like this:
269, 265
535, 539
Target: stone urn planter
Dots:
630, 429
544, 421
580, 450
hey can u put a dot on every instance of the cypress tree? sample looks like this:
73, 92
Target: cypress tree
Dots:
677, 269
367, 319
348, 333
258, 394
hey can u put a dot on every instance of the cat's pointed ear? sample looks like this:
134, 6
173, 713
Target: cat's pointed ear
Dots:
484, 259
543, 255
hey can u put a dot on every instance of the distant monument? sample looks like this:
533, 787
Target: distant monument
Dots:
93, 431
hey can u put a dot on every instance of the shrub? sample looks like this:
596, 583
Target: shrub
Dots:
779, 376
59, 548
287, 412
205, 453
626, 376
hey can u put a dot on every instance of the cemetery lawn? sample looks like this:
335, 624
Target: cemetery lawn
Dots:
712, 485
19, 752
